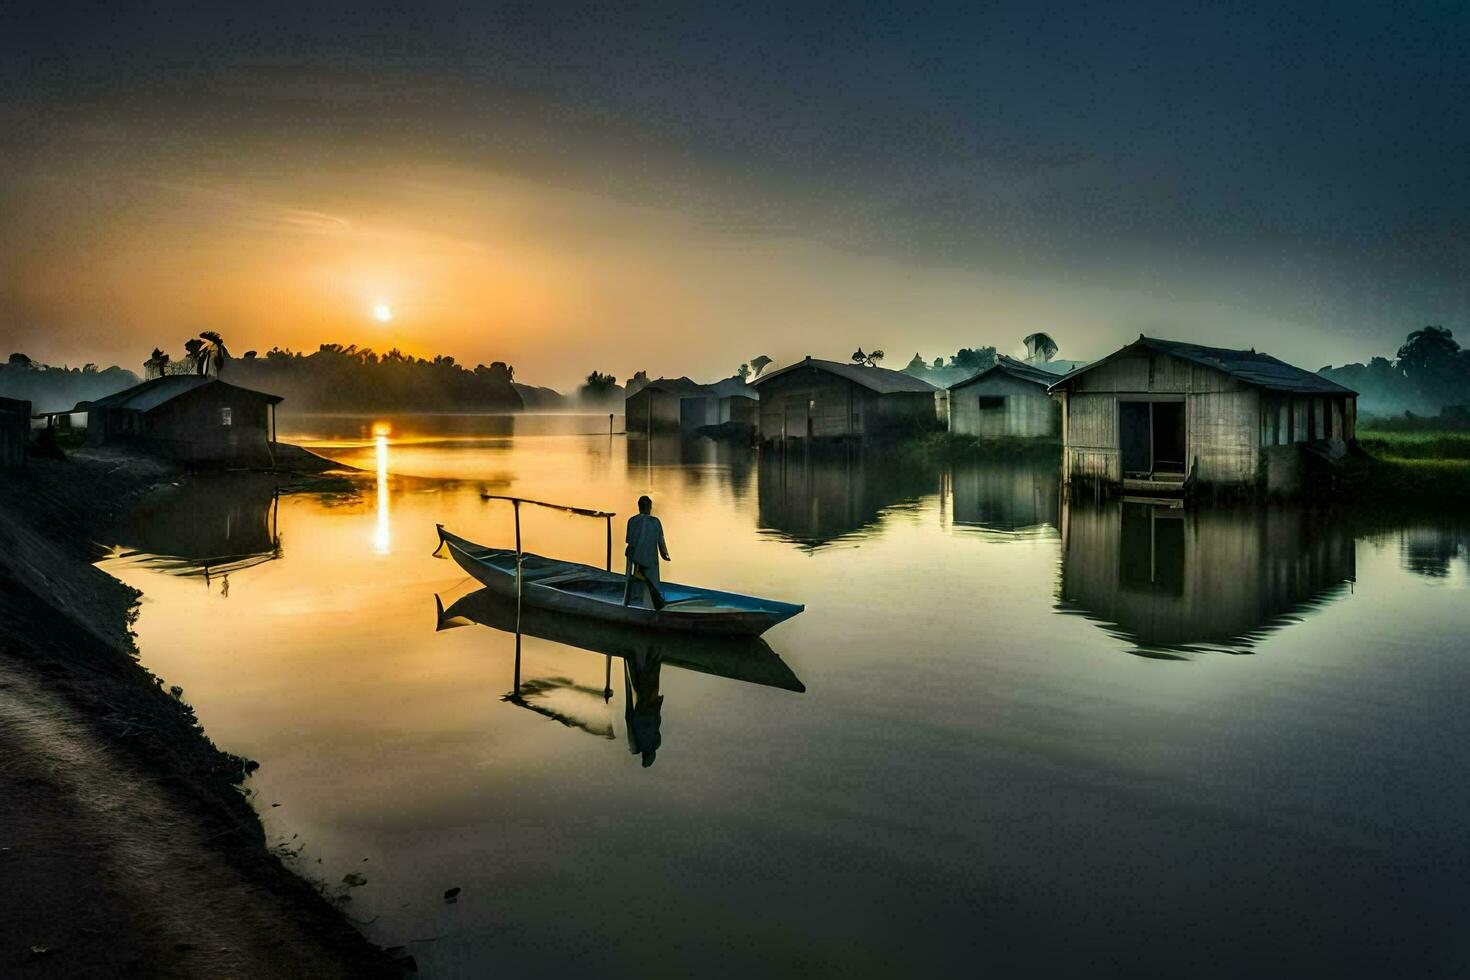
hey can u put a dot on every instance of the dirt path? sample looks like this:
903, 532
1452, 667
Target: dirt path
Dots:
116, 879
126, 848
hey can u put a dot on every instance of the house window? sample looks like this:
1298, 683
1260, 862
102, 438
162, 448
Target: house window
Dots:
992, 403
226, 417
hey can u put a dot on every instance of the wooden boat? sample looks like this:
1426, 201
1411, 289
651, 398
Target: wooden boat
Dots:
741, 658
581, 590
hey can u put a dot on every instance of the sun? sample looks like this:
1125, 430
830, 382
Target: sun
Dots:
382, 312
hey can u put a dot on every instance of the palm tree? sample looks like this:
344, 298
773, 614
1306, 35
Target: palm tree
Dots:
213, 352
1040, 347
157, 365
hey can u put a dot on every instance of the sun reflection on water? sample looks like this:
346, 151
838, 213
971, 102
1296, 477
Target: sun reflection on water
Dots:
382, 536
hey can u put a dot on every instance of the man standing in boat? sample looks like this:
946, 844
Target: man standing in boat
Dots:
645, 545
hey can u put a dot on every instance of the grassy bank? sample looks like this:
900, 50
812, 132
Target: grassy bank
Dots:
949, 446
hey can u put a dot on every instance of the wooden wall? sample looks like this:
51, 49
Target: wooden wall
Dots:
829, 406
1221, 425
15, 429
1028, 412
662, 406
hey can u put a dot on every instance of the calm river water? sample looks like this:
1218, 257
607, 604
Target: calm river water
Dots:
1010, 734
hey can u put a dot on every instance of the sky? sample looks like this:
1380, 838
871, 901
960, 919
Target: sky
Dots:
678, 188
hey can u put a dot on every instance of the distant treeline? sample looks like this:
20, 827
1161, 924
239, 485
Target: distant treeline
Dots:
51, 389
337, 378
1430, 372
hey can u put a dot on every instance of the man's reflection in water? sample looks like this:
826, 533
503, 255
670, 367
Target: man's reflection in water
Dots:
643, 703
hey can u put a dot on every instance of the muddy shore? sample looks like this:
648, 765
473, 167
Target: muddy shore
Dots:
126, 845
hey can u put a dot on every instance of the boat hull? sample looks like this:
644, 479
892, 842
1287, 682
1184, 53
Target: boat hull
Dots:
592, 593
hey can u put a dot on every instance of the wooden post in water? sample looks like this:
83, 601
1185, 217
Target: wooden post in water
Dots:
516, 506
609, 542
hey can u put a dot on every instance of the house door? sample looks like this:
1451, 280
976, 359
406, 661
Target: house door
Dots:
1135, 438
1168, 436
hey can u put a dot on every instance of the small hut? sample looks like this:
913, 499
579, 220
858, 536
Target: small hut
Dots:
671, 405
1007, 400
738, 402
189, 418
15, 429
1159, 414
827, 400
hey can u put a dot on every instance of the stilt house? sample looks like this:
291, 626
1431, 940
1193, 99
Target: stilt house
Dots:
1158, 413
1007, 400
671, 405
827, 400
189, 418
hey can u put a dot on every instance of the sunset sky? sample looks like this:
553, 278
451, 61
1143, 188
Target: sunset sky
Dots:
680, 189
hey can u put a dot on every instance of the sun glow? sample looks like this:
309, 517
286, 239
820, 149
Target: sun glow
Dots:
382, 312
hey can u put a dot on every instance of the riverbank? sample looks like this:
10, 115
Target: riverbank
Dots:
125, 839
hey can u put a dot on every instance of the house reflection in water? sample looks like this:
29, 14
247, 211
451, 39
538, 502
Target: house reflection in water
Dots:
1433, 551
816, 498
212, 525
1011, 496
1173, 580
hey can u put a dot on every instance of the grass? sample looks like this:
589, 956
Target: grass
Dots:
1406, 467
1437, 445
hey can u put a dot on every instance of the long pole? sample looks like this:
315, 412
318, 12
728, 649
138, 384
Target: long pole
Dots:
609, 542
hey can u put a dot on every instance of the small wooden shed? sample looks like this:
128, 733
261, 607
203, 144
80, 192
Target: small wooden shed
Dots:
1158, 413
15, 429
190, 418
671, 405
827, 400
1009, 399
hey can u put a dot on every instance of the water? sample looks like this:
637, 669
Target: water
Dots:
1033, 736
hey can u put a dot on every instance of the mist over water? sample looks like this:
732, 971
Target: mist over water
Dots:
1027, 733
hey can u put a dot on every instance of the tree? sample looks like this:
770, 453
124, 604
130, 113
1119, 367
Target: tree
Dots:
917, 367
759, 364
20, 361
1434, 364
974, 359
1039, 347
213, 353
743, 373
194, 355
938, 363
867, 360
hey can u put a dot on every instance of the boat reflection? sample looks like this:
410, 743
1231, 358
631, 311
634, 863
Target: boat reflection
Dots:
1008, 496
1174, 580
211, 525
819, 498
748, 659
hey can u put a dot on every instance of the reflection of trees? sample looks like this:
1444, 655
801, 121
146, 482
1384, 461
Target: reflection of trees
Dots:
815, 498
1175, 580
211, 524
1431, 551
1005, 495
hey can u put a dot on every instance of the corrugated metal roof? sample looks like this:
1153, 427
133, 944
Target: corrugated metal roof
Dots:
150, 394
881, 380
1252, 367
1016, 369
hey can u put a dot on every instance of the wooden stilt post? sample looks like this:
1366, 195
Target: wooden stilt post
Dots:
609, 542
